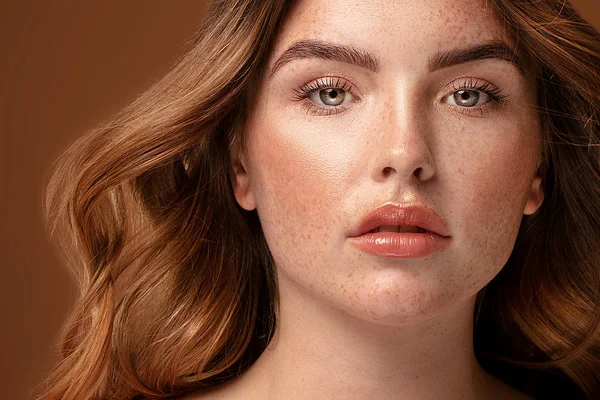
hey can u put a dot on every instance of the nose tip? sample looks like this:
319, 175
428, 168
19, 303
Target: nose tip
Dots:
418, 172
402, 165
402, 148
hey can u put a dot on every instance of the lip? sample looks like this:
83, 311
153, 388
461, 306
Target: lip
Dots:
402, 214
401, 244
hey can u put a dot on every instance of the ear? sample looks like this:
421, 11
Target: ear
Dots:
240, 179
536, 196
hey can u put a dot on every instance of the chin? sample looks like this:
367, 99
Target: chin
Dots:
397, 307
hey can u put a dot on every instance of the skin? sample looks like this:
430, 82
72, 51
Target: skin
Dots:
353, 325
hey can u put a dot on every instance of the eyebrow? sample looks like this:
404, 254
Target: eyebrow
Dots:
310, 48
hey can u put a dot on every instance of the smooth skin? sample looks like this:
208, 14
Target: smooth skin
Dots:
353, 325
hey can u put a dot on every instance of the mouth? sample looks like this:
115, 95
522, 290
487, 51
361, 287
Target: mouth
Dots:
398, 228
401, 218
393, 241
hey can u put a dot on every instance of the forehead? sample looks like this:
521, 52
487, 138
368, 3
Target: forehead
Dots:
392, 29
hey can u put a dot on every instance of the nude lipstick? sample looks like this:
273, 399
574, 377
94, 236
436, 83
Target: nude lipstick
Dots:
401, 231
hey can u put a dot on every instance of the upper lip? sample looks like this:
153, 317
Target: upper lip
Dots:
402, 214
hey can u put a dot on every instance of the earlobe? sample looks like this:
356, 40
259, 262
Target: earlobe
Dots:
242, 188
536, 196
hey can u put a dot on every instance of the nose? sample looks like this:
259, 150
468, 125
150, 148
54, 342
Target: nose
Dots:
402, 149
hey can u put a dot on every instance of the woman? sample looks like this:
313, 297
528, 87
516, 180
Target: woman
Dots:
343, 200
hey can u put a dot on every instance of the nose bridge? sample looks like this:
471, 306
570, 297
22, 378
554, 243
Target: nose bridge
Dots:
402, 146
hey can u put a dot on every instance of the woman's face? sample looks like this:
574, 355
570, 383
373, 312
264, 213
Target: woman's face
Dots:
394, 129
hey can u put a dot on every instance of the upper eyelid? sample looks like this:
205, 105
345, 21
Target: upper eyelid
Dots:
345, 84
464, 81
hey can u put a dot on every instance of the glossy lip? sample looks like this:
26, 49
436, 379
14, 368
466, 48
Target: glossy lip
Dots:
400, 244
402, 214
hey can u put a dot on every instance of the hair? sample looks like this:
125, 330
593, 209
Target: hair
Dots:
177, 286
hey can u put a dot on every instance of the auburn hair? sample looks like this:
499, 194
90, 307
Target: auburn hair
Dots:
177, 286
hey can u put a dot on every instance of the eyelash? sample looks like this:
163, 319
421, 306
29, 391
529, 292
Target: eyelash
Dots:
497, 98
303, 92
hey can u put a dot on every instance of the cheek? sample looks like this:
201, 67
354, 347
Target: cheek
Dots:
299, 178
494, 184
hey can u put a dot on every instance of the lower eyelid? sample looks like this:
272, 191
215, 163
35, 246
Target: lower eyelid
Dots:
470, 111
475, 111
316, 109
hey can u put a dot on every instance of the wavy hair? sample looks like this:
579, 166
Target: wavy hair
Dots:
177, 287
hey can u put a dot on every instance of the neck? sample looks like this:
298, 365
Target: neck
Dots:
319, 351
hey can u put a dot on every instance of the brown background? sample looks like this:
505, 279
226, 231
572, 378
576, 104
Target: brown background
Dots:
65, 66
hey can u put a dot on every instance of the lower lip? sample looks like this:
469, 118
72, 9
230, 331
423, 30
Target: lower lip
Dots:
400, 244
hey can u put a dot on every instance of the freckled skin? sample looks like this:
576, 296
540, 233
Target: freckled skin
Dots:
312, 177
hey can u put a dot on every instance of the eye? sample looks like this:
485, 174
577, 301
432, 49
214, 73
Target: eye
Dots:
471, 95
469, 98
325, 96
330, 97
